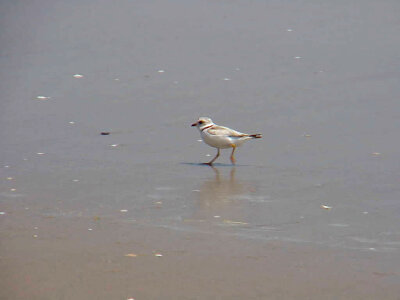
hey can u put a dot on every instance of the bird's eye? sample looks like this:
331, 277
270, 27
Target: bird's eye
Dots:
201, 122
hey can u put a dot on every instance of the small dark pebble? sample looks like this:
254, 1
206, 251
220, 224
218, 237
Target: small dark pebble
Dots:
105, 133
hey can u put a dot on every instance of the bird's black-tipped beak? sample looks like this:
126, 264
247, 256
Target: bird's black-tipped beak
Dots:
194, 124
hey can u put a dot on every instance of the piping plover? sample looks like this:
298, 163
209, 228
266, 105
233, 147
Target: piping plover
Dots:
221, 137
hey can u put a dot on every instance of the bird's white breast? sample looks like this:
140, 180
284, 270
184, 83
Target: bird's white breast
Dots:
216, 141
221, 141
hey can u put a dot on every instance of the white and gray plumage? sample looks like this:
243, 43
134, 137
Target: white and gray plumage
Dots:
221, 137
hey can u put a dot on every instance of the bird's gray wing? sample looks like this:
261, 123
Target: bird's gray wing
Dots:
221, 130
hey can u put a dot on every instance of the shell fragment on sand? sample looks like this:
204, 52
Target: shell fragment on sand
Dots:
42, 98
235, 222
326, 207
131, 255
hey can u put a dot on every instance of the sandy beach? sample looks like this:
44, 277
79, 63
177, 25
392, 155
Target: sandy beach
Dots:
310, 211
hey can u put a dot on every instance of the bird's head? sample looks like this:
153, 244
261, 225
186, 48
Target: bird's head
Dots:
203, 122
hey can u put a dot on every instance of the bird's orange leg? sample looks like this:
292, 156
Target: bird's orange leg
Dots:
211, 161
233, 160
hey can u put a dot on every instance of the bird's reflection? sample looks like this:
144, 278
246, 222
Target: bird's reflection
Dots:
220, 196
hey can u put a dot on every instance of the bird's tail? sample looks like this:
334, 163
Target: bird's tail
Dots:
256, 136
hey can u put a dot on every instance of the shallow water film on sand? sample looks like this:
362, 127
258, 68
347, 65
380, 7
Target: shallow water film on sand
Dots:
103, 190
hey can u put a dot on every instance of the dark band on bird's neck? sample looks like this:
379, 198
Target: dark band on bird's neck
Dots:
207, 127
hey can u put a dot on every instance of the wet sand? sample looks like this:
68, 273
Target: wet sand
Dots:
69, 262
309, 212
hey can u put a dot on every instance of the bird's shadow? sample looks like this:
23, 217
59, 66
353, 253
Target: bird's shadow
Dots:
213, 165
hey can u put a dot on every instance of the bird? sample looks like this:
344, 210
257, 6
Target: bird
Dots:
221, 137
